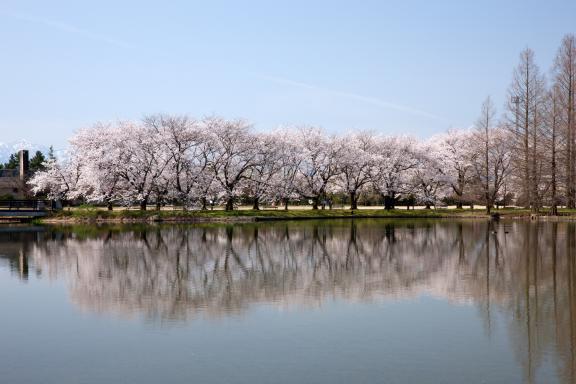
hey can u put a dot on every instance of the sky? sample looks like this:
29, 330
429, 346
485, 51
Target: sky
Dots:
395, 67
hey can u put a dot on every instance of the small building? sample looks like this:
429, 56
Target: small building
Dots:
13, 181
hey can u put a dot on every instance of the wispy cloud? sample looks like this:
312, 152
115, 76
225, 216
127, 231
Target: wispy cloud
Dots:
354, 96
67, 28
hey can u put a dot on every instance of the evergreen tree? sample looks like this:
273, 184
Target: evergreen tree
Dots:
51, 155
12, 162
37, 162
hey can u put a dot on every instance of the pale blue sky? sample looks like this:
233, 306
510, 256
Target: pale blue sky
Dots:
416, 67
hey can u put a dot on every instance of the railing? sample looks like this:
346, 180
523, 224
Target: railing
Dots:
26, 205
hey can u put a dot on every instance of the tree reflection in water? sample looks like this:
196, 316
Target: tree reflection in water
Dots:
525, 270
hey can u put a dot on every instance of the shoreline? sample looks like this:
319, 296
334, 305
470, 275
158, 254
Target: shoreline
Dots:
249, 216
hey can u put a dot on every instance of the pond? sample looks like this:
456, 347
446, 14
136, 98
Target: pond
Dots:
349, 301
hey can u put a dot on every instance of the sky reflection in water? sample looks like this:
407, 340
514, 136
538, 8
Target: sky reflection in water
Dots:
319, 302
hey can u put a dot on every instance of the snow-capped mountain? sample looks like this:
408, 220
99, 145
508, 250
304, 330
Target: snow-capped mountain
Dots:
6, 149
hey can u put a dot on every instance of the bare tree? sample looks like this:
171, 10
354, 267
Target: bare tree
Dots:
526, 101
564, 75
553, 125
492, 159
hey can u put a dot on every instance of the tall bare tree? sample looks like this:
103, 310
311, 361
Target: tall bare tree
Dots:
483, 127
526, 101
491, 160
552, 125
565, 80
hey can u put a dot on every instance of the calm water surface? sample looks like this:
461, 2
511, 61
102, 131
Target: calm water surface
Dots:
365, 301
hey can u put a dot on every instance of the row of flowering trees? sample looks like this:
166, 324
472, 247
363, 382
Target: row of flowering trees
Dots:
526, 157
180, 160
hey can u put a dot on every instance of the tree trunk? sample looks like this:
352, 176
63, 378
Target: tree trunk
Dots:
527, 191
230, 204
487, 165
109, 206
256, 205
570, 150
389, 201
286, 204
459, 205
353, 200
534, 174
554, 206
143, 204
428, 206
315, 203
204, 203
554, 209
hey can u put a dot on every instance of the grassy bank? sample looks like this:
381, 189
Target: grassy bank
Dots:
134, 216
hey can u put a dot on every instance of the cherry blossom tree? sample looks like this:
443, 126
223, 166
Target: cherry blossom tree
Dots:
456, 160
319, 163
187, 175
268, 163
428, 178
58, 180
395, 157
284, 182
146, 164
100, 155
357, 163
233, 157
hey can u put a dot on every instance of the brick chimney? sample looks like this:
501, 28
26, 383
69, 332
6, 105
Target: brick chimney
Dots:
24, 164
